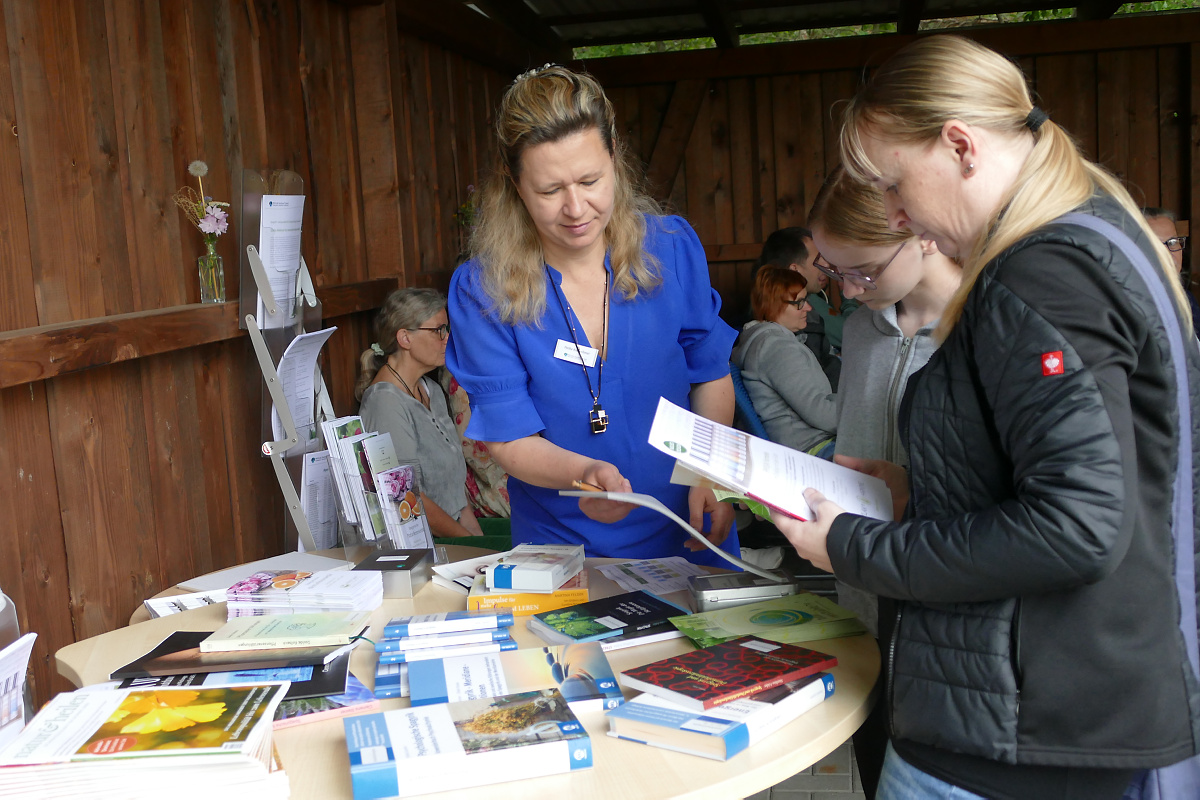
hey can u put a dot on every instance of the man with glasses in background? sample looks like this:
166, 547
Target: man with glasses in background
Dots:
1162, 222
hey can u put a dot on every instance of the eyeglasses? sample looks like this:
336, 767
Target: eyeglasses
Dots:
1176, 243
799, 302
442, 330
855, 276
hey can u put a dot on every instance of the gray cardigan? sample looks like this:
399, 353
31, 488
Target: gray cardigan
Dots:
785, 382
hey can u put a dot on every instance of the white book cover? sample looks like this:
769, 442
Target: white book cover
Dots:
460, 575
335, 430
769, 472
361, 487
536, 567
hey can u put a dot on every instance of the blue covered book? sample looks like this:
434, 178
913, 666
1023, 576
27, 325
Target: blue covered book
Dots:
428, 653
436, 748
448, 622
720, 732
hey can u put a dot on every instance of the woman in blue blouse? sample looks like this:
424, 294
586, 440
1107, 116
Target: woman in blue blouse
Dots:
579, 309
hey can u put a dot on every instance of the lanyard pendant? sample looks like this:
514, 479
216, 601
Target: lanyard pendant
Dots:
599, 419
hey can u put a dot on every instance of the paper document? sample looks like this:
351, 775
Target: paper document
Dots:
166, 606
654, 575
317, 501
288, 561
297, 377
14, 661
279, 248
765, 471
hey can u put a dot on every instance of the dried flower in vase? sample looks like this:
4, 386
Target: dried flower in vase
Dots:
208, 215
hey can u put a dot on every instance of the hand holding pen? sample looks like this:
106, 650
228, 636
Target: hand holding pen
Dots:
601, 476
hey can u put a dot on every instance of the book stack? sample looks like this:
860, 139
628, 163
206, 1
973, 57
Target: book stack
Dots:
287, 631
717, 701
571, 593
636, 617
437, 748
165, 742
433, 636
535, 568
291, 592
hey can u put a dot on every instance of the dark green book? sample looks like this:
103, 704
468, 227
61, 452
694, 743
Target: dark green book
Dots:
603, 618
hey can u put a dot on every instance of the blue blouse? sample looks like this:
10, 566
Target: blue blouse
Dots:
659, 344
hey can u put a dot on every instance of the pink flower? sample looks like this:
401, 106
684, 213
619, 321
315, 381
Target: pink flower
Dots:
215, 220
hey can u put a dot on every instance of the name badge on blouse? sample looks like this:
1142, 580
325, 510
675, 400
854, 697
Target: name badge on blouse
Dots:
567, 351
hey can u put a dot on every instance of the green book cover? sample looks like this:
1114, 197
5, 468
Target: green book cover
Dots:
796, 618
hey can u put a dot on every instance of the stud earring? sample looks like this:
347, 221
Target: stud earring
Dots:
967, 170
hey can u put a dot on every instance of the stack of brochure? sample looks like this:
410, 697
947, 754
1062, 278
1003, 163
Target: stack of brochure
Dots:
291, 592
434, 636
163, 742
535, 567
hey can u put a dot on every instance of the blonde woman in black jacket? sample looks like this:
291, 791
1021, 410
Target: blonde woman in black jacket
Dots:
1041, 647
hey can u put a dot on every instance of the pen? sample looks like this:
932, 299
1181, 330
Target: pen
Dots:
587, 487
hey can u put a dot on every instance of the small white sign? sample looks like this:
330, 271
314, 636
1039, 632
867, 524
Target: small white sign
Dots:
576, 354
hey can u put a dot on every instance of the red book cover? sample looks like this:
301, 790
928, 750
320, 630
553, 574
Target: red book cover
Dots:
729, 671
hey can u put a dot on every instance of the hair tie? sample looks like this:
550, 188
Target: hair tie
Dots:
1035, 118
377, 350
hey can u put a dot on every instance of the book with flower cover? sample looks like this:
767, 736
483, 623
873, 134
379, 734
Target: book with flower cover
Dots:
722, 732
712, 676
142, 743
398, 492
445, 746
301, 592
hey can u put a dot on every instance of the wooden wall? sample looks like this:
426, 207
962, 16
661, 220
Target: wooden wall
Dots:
739, 142
129, 416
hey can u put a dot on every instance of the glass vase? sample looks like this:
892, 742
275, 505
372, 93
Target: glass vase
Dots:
212, 274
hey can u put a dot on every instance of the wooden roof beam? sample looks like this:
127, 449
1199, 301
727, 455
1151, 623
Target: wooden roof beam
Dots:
719, 19
470, 34
1097, 9
523, 21
911, 13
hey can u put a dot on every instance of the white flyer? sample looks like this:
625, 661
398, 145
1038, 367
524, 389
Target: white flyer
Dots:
14, 661
297, 377
279, 248
654, 575
317, 501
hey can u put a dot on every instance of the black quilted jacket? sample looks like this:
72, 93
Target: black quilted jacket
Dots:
1037, 618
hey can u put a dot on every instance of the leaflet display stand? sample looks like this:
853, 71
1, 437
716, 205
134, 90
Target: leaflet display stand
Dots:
272, 325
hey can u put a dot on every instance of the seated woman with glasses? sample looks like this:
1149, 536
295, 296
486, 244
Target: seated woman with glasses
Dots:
784, 379
411, 333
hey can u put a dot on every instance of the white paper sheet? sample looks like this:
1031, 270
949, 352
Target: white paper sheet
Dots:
654, 575
279, 247
166, 606
14, 661
317, 500
297, 377
228, 577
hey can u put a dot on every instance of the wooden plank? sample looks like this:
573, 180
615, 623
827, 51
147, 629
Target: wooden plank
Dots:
836, 87
701, 188
221, 465
722, 162
653, 102
1112, 111
765, 165
1066, 90
378, 149
242, 55
811, 140
33, 560
34, 354
421, 148
672, 141
1172, 132
742, 251
101, 468
18, 303
443, 134
459, 78
743, 146
816, 55
789, 166
1143, 127
343, 106
458, 28
146, 169
47, 79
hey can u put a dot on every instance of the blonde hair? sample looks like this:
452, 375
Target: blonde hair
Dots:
548, 105
853, 212
942, 78
772, 285
404, 309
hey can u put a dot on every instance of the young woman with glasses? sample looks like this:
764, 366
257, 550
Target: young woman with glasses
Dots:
784, 379
396, 397
580, 307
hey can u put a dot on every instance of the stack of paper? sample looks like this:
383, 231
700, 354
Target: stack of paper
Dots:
165, 742
536, 567
292, 592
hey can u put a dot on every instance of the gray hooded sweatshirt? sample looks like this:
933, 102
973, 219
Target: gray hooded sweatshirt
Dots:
790, 391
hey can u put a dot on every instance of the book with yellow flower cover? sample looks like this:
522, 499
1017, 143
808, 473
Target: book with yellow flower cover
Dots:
146, 743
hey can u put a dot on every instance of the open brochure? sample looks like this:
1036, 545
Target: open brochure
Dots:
765, 471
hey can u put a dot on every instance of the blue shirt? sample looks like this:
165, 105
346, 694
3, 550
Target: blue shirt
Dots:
659, 344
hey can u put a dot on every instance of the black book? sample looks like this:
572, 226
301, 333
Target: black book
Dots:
179, 654
603, 618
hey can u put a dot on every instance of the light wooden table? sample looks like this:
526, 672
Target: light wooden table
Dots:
317, 764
